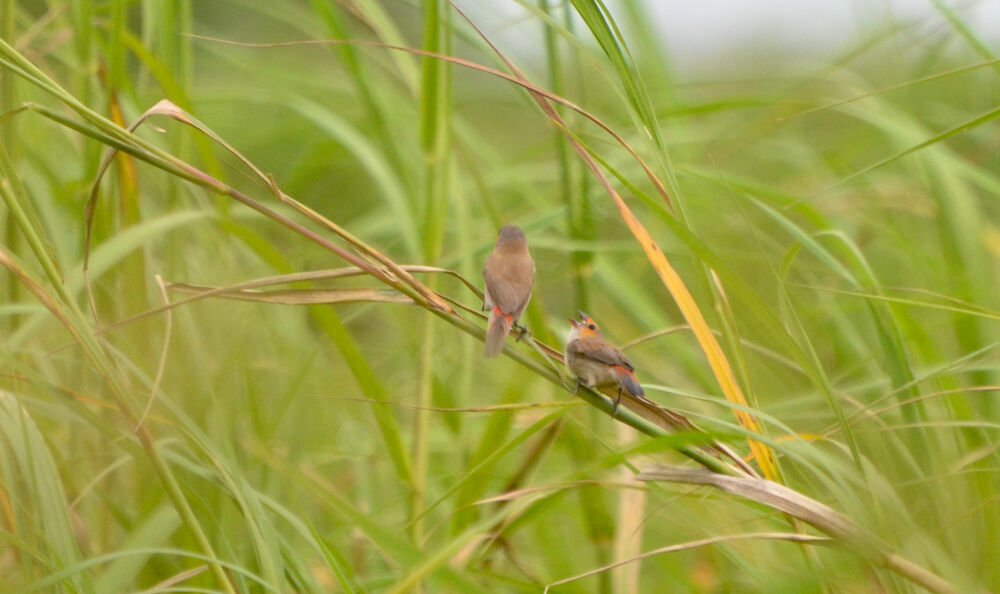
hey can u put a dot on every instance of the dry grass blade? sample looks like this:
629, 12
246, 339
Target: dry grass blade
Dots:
312, 275
173, 580
90, 209
491, 408
297, 296
789, 536
529, 491
382, 268
10, 262
165, 107
781, 498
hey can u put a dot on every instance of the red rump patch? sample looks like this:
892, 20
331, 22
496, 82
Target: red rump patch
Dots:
496, 310
628, 380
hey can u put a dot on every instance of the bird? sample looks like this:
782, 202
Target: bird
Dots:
598, 364
509, 275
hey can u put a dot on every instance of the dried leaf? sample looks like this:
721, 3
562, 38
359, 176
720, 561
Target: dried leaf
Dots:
769, 493
298, 296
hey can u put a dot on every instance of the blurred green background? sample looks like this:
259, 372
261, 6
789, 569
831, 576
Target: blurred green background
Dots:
832, 210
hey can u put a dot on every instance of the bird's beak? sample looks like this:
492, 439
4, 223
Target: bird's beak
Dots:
583, 315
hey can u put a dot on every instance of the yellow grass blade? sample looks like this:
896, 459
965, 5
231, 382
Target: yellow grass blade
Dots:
692, 314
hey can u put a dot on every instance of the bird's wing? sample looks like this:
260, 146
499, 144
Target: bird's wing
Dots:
600, 351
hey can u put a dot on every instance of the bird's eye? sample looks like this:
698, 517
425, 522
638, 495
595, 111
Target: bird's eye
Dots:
592, 327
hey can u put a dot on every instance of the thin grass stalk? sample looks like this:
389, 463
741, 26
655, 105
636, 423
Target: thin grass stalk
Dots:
421, 429
580, 227
466, 238
630, 521
165, 50
433, 137
596, 15
632, 561
479, 475
185, 54
132, 275
963, 30
115, 48
579, 219
81, 16
335, 21
884, 90
8, 89
8, 131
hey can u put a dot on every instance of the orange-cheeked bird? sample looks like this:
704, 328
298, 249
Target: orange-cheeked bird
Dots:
596, 362
509, 273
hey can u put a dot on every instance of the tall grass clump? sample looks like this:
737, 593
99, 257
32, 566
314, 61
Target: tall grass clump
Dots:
241, 250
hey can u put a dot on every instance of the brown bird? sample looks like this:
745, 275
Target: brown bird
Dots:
598, 364
509, 273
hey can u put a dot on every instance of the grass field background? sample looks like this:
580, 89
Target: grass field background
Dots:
832, 224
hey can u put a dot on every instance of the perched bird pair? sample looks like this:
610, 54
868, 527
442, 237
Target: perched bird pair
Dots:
509, 273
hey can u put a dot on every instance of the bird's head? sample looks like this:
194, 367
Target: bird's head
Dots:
584, 327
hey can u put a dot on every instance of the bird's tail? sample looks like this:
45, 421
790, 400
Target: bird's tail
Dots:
628, 381
496, 332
